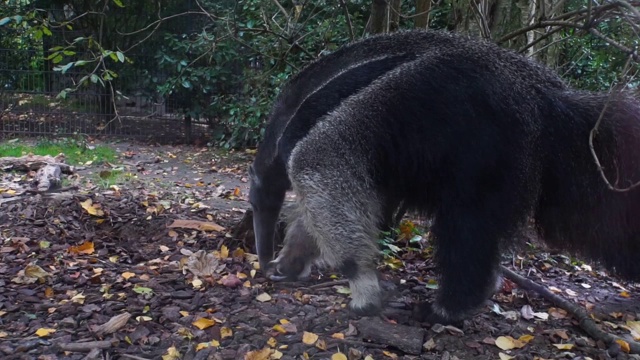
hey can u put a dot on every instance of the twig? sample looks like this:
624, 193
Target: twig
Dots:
86, 346
594, 132
328, 284
240, 309
357, 343
349, 24
129, 356
586, 322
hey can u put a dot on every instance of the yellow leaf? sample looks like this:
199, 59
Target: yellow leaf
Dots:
272, 342
624, 345
224, 252
625, 294
508, 343
212, 343
526, 338
48, 292
504, 356
127, 275
339, 356
78, 299
35, 271
309, 338
172, 354
263, 354
390, 354
184, 313
185, 333
406, 229
279, 328
283, 321
203, 323
225, 332
91, 208
238, 253
42, 332
276, 355
564, 346
338, 336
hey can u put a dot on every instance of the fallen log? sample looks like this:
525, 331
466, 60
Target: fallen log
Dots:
34, 162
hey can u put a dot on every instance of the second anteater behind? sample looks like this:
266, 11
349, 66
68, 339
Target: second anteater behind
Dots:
477, 137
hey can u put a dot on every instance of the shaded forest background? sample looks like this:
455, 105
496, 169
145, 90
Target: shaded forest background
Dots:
223, 61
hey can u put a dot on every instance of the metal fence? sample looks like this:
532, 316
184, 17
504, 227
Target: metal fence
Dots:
30, 105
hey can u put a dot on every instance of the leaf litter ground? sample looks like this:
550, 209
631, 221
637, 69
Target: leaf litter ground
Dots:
149, 269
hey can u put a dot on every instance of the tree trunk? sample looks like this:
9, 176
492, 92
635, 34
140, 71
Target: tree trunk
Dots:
378, 21
423, 8
394, 15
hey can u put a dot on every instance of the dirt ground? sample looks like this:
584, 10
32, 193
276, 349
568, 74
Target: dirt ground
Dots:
106, 272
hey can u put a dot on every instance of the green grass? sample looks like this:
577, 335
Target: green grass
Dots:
76, 152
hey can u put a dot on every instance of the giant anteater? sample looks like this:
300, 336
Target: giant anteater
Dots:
477, 137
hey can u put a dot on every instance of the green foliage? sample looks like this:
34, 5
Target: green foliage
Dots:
406, 238
230, 70
76, 151
589, 62
224, 61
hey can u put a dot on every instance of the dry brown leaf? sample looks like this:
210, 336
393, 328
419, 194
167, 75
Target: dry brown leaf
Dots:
114, 324
263, 354
203, 323
84, 248
197, 225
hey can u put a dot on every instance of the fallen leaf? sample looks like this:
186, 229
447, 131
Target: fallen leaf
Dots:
263, 354
264, 297
309, 338
172, 354
623, 345
203, 323
91, 208
504, 356
339, 356
508, 343
127, 275
564, 346
634, 329
43, 332
84, 248
225, 332
197, 225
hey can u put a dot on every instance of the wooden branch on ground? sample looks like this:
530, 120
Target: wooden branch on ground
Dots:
34, 162
586, 322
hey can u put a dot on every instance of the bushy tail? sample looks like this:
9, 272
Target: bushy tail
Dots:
577, 211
